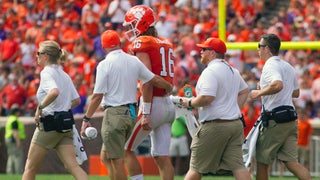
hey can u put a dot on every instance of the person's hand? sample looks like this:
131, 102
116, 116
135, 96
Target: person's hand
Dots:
145, 122
185, 102
169, 90
84, 126
37, 116
255, 94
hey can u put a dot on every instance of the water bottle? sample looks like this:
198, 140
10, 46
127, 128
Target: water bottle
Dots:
187, 90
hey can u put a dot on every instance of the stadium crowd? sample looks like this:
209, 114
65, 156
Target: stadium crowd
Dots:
77, 25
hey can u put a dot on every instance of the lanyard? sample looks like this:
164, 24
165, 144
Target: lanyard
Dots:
224, 62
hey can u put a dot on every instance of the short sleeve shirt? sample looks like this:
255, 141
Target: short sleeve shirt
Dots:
223, 82
54, 77
117, 77
277, 69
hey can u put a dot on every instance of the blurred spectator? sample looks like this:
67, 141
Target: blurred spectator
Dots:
89, 67
164, 27
315, 92
46, 13
305, 94
2, 30
13, 93
188, 42
179, 146
14, 135
90, 22
304, 135
235, 54
81, 88
4, 76
186, 62
250, 57
315, 68
70, 35
116, 12
301, 35
28, 51
35, 30
9, 50
91, 4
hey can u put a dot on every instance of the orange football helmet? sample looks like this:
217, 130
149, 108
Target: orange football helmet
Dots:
137, 20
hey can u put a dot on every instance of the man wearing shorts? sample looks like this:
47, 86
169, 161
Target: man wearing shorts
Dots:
115, 91
221, 92
278, 136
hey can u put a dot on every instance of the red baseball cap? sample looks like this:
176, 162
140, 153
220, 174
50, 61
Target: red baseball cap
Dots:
110, 39
214, 44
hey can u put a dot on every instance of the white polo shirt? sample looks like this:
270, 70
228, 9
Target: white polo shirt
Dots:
277, 69
117, 77
54, 77
224, 83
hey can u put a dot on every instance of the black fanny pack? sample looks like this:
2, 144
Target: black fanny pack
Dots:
281, 114
61, 121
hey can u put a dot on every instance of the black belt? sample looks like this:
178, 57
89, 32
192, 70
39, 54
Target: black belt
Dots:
124, 105
220, 120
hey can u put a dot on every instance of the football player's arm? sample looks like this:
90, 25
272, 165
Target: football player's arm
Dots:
147, 91
147, 88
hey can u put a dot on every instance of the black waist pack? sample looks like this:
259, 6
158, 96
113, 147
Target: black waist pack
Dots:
61, 121
48, 123
283, 114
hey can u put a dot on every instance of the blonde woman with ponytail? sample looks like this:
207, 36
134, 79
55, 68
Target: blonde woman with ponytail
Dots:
56, 93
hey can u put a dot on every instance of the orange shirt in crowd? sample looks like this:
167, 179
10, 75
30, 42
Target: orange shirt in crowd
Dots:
8, 48
304, 132
88, 70
12, 94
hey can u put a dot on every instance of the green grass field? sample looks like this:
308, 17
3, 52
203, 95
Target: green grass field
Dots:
69, 177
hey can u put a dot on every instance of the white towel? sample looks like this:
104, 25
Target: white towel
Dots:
191, 121
81, 154
249, 144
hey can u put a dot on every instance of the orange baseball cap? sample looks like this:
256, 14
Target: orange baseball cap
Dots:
110, 39
214, 44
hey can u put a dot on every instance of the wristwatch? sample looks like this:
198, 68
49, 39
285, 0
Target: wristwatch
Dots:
86, 119
40, 107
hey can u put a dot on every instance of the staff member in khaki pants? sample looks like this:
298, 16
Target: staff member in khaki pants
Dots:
221, 92
115, 91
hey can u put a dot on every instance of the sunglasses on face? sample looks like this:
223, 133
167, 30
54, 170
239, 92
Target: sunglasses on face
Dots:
261, 45
205, 49
38, 53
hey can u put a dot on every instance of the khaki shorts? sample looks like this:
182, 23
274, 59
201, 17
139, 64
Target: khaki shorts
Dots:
51, 139
217, 146
116, 128
279, 141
